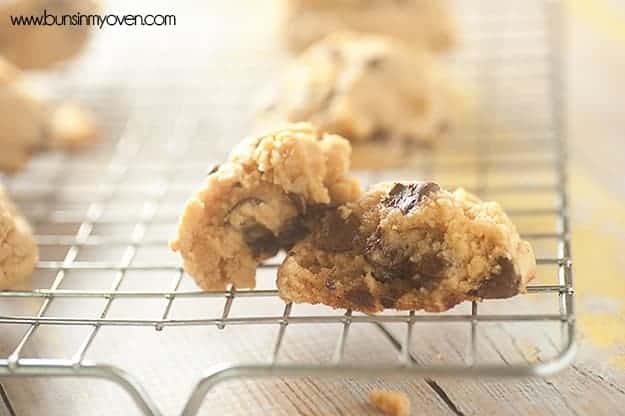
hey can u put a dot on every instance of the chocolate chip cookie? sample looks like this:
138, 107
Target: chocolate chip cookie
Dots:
22, 119
369, 89
39, 47
18, 250
261, 200
29, 123
408, 246
423, 23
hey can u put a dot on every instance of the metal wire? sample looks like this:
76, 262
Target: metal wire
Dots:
540, 146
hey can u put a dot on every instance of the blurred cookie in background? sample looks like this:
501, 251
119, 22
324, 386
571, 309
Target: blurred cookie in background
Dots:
41, 45
71, 127
422, 23
372, 90
22, 119
30, 123
18, 250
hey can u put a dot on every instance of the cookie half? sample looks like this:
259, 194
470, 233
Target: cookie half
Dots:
260, 201
408, 246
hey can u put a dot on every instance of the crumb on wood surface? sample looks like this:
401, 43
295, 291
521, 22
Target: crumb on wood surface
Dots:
391, 403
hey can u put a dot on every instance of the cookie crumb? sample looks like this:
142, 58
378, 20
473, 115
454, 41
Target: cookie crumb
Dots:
391, 403
72, 127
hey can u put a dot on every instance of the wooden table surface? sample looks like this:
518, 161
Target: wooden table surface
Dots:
168, 363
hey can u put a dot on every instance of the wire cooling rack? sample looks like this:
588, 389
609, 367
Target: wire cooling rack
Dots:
103, 218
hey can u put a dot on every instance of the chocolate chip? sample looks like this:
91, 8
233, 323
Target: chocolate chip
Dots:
409, 197
388, 262
299, 202
291, 232
401, 271
260, 240
330, 284
431, 265
391, 263
391, 258
264, 243
388, 301
336, 233
213, 169
503, 284
361, 297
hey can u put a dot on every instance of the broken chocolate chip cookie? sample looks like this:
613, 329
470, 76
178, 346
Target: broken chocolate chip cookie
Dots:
260, 201
408, 246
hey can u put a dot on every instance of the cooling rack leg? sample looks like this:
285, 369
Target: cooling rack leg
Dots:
7, 402
52, 368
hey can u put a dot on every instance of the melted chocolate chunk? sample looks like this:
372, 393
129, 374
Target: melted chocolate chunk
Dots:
402, 271
391, 263
409, 197
361, 297
292, 232
260, 240
299, 202
264, 243
330, 284
378, 253
431, 266
336, 233
504, 284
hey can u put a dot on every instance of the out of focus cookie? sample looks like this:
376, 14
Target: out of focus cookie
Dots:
422, 23
29, 123
22, 119
18, 250
369, 89
71, 127
38, 46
